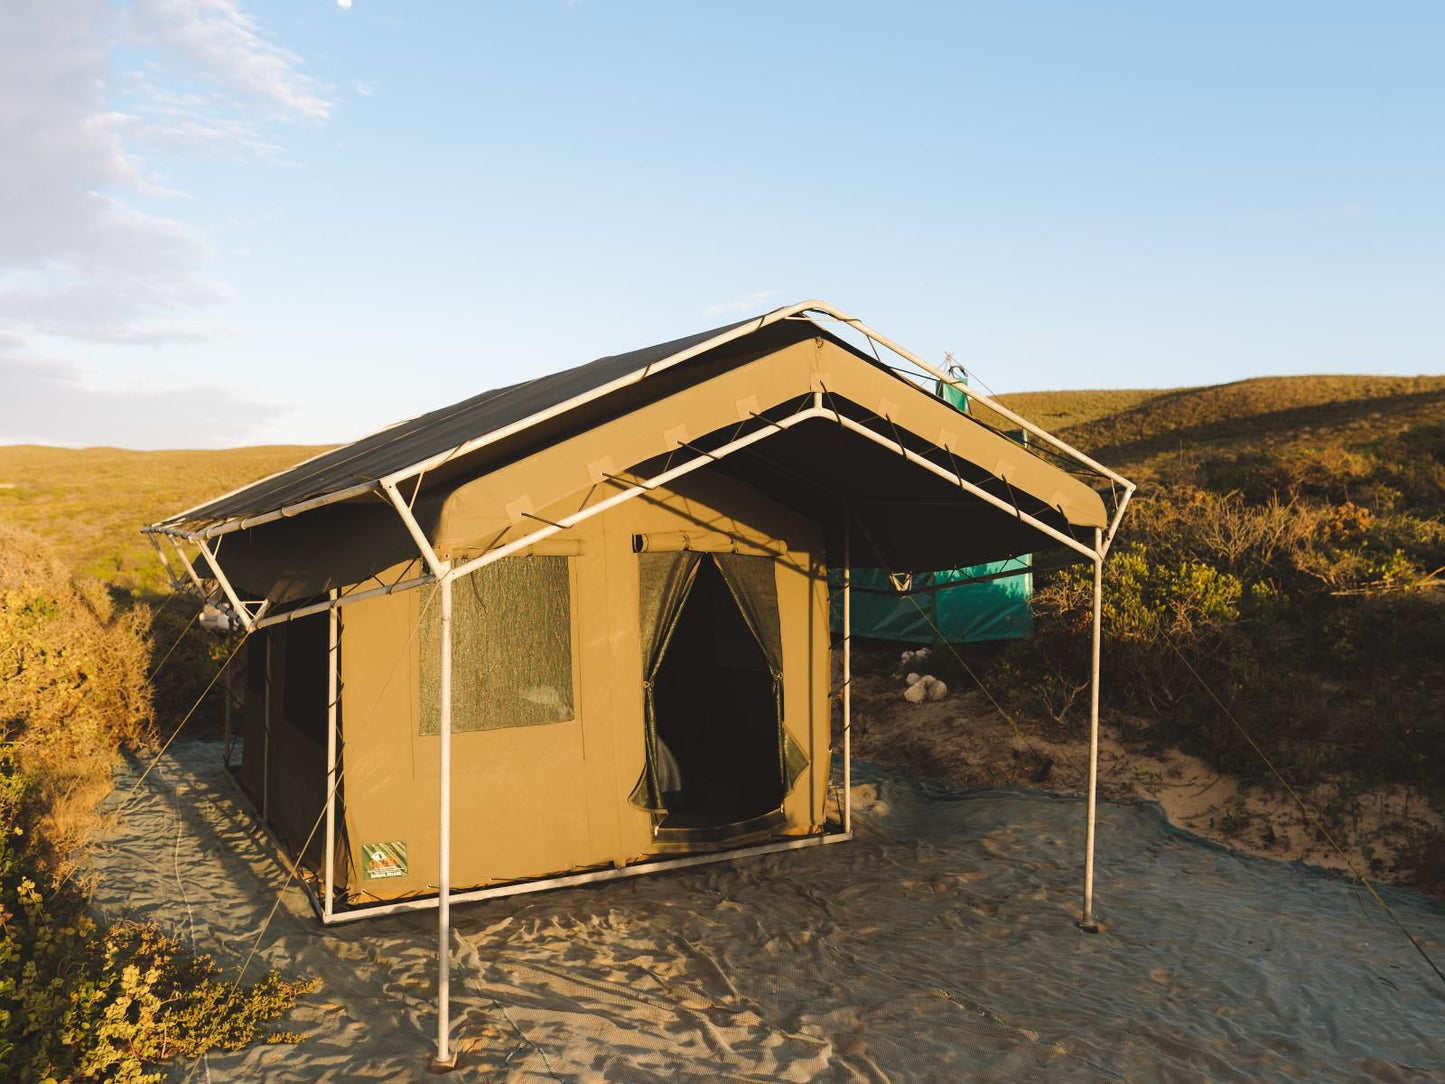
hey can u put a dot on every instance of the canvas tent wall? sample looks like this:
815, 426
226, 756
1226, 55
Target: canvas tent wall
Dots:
549, 743
774, 445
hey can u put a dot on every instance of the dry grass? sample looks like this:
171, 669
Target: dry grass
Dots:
90, 503
73, 686
1057, 411
1268, 412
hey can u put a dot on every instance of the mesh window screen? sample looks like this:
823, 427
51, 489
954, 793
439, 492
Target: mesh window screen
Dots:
511, 647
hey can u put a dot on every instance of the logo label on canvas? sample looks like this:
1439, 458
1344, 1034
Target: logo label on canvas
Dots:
382, 860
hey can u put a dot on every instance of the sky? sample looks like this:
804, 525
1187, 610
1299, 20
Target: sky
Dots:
294, 221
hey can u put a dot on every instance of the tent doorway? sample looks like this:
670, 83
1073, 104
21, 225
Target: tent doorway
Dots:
717, 718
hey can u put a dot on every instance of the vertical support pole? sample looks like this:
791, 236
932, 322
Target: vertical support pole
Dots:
333, 617
444, 1056
227, 692
1087, 923
266, 740
847, 674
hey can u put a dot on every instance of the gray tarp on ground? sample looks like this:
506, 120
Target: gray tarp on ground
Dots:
939, 946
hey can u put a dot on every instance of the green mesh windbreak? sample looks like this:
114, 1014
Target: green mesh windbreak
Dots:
511, 647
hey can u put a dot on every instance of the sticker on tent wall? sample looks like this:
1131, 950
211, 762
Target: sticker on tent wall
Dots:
382, 860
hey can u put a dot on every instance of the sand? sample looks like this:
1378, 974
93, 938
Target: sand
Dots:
939, 945
965, 740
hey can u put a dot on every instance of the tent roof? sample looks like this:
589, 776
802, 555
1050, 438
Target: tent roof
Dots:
629, 414
439, 431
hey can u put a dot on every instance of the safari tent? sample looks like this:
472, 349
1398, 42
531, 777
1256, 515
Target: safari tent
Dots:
578, 628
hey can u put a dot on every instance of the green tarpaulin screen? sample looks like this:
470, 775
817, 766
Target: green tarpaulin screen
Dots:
992, 609
995, 609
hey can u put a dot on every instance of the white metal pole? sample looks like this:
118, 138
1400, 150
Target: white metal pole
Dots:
227, 693
266, 742
847, 673
1088, 923
333, 641
444, 857
241, 612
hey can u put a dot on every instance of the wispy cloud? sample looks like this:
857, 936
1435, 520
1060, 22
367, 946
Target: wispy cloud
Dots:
224, 43
207, 125
73, 260
755, 302
80, 262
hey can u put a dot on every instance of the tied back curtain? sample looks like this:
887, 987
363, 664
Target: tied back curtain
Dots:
754, 588
664, 581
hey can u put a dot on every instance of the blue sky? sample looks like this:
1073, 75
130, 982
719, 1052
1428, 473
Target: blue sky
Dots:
236, 221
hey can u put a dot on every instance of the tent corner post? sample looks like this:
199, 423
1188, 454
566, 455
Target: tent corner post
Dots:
266, 738
332, 691
445, 1058
1087, 923
847, 674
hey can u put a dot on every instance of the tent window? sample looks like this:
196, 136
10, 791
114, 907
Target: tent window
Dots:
511, 647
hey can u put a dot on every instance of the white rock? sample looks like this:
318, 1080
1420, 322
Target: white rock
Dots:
911, 679
922, 653
937, 690
214, 619
916, 693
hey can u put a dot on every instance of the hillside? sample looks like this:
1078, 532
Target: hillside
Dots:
1127, 429
90, 503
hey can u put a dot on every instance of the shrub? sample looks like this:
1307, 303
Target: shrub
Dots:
72, 686
1294, 580
83, 1000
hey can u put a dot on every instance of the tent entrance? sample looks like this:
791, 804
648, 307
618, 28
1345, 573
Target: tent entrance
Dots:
718, 758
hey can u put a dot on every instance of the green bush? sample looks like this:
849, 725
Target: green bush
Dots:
1297, 582
73, 687
81, 999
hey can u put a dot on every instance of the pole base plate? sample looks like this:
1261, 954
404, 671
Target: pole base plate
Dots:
1087, 927
437, 1066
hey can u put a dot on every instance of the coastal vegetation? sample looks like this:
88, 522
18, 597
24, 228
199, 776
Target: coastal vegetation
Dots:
1279, 572
85, 996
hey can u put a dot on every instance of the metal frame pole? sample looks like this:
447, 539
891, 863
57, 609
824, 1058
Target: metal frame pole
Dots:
444, 1057
847, 672
227, 693
332, 692
1087, 923
266, 740
247, 619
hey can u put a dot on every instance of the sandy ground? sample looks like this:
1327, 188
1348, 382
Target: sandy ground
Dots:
938, 945
965, 739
